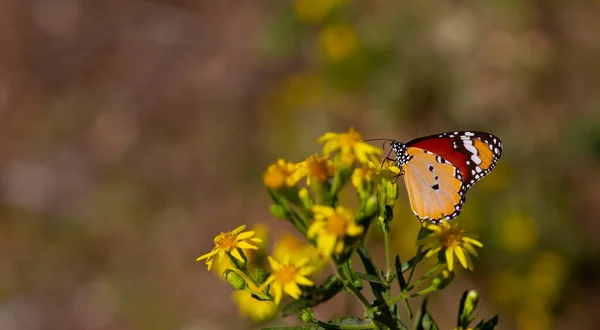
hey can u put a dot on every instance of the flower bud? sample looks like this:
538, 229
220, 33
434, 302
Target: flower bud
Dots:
233, 278
471, 302
391, 190
371, 206
305, 198
443, 279
260, 275
278, 211
307, 316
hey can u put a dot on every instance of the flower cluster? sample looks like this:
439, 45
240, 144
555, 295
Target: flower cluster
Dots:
308, 195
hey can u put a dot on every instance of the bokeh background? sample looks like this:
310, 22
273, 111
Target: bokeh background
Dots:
132, 132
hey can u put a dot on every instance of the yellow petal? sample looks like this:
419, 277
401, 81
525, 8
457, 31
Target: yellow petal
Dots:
354, 230
327, 136
460, 254
306, 270
238, 229
268, 281
300, 263
472, 241
330, 146
274, 264
315, 228
432, 251
450, 258
303, 280
339, 247
292, 289
236, 254
277, 292
245, 235
469, 261
323, 210
326, 243
246, 245
470, 249
208, 255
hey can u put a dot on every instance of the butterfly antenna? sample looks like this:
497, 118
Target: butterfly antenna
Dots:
386, 140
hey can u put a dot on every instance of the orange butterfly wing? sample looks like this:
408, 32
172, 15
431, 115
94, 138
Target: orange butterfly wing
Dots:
435, 187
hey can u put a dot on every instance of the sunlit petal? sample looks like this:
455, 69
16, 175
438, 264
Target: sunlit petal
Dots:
450, 258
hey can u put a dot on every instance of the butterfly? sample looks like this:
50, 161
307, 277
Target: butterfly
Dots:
438, 170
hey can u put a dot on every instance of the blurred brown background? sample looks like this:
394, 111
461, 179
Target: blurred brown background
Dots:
132, 132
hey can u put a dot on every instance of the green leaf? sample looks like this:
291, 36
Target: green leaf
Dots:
302, 327
399, 276
490, 324
414, 260
351, 320
424, 320
423, 232
369, 278
377, 288
383, 316
389, 213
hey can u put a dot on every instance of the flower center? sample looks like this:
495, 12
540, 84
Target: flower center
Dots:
451, 237
336, 224
286, 274
349, 140
317, 168
227, 241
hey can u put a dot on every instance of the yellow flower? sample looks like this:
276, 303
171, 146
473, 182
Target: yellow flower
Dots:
518, 232
311, 11
281, 174
256, 310
452, 239
338, 42
229, 243
362, 177
351, 147
286, 277
291, 246
315, 168
261, 232
387, 168
331, 226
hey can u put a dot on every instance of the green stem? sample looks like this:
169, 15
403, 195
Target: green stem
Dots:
339, 269
423, 292
243, 267
399, 297
388, 267
296, 220
412, 269
325, 325
408, 308
258, 294
425, 276
405, 296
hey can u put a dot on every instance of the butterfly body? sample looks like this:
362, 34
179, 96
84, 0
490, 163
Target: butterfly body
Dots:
439, 169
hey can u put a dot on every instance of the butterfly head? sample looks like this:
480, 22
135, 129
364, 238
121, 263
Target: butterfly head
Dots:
401, 151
